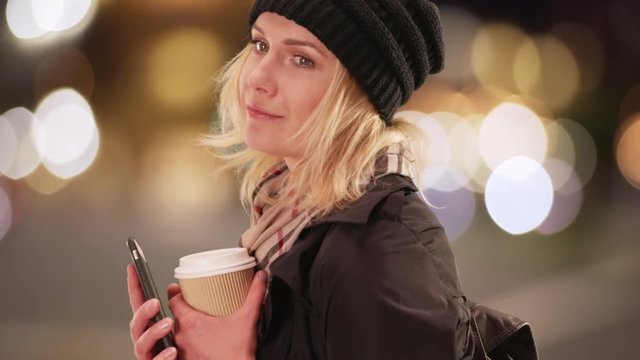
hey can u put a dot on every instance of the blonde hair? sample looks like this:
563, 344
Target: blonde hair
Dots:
342, 138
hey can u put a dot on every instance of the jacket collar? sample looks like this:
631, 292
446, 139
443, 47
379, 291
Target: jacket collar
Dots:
358, 212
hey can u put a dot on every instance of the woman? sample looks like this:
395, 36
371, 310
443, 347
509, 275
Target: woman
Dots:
358, 267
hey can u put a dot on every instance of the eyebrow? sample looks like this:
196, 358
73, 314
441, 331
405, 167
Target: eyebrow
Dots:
294, 42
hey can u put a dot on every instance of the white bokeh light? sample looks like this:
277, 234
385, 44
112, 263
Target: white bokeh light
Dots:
21, 20
26, 157
47, 13
438, 146
75, 11
511, 130
28, 19
66, 134
8, 145
519, 195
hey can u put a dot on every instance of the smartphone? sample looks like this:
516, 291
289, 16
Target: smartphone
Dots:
149, 289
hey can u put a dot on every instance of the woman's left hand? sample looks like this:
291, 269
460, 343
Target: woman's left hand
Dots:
201, 336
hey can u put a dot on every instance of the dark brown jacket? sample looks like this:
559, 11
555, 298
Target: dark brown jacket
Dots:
376, 280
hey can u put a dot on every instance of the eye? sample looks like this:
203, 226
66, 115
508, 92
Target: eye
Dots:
303, 61
259, 46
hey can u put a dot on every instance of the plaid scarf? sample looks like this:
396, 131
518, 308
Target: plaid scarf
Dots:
275, 228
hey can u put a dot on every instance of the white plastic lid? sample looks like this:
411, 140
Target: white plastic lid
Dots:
214, 262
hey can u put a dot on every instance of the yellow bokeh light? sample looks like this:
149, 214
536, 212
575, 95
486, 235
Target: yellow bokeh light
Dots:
177, 177
628, 150
494, 50
560, 76
431, 98
485, 98
180, 65
527, 66
588, 49
43, 182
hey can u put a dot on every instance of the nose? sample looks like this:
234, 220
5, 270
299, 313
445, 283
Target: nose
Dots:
261, 77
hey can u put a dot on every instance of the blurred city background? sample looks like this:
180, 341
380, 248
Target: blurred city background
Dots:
534, 163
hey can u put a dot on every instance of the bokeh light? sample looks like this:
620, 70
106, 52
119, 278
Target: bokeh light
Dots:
559, 171
567, 200
631, 102
486, 97
66, 134
519, 195
527, 66
628, 150
586, 154
511, 130
464, 157
180, 64
8, 145
587, 47
44, 182
21, 20
64, 67
26, 157
5, 212
435, 97
438, 146
454, 209
560, 144
177, 177
494, 49
28, 19
560, 75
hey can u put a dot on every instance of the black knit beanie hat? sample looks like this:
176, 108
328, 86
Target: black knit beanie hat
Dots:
388, 46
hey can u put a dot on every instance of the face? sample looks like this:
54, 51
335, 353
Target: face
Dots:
283, 80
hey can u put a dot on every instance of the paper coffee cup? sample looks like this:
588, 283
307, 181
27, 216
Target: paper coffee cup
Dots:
216, 282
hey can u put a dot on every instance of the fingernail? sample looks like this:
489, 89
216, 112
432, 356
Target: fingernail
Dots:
152, 303
171, 353
165, 323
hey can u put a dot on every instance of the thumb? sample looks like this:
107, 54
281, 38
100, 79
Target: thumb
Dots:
254, 299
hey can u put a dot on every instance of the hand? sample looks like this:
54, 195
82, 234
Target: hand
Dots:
143, 312
204, 337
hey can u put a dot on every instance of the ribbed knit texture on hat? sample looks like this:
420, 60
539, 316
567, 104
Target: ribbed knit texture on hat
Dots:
388, 46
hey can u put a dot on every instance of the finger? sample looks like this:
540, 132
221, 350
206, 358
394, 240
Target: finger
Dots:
146, 342
173, 290
142, 316
167, 354
253, 302
136, 296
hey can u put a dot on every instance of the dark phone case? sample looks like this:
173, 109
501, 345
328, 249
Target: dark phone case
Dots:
149, 289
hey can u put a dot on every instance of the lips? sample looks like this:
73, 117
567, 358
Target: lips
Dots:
258, 112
